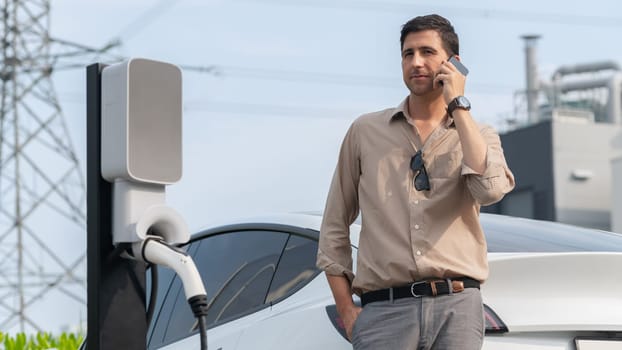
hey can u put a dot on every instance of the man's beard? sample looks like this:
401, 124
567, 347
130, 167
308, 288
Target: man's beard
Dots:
419, 90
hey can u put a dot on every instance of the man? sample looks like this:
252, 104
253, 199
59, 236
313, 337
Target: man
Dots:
418, 173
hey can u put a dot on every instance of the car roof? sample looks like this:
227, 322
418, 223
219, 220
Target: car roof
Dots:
503, 233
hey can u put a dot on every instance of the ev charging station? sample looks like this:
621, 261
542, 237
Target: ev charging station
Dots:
134, 143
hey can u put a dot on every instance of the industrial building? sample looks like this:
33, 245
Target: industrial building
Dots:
567, 155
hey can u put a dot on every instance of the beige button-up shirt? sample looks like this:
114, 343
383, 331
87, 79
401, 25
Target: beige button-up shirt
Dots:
408, 235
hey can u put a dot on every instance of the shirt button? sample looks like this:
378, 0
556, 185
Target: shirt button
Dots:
416, 227
419, 252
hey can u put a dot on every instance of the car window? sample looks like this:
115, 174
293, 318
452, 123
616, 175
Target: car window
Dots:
236, 268
165, 278
296, 267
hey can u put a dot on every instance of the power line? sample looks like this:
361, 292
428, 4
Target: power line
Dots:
269, 109
302, 77
293, 76
476, 13
323, 77
262, 109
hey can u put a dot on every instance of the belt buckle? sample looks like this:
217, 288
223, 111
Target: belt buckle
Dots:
412, 289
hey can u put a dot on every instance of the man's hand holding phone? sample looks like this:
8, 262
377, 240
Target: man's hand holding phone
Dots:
459, 66
454, 74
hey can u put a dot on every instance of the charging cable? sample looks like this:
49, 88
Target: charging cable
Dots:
155, 250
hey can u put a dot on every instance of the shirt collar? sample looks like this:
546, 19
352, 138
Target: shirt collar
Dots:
401, 112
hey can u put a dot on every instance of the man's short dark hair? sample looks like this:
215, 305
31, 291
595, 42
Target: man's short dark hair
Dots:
437, 23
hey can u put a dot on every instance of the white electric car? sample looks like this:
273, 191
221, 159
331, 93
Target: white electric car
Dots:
551, 286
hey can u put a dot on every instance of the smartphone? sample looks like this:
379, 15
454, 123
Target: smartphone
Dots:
461, 68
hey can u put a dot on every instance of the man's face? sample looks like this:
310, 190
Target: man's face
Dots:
422, 56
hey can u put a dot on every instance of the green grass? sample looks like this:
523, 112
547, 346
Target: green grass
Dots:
40, 341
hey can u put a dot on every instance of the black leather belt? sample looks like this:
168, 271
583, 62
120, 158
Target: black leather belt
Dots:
420, 289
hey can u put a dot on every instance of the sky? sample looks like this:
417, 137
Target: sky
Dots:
262, 128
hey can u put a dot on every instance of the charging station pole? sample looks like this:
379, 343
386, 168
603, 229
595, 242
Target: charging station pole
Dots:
116, 317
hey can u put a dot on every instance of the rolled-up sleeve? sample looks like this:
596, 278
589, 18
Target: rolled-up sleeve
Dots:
496, 180
334, 251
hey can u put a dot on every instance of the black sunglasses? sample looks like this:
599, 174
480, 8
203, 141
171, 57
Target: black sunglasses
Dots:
420, 179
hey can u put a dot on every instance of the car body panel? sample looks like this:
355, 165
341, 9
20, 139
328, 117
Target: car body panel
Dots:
306, 309
541, 292
223, 338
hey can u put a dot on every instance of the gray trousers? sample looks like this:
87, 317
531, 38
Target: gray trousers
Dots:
444, 322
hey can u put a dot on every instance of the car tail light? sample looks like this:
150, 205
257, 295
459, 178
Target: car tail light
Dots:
494, 325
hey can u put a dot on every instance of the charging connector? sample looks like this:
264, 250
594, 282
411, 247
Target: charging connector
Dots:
155, 250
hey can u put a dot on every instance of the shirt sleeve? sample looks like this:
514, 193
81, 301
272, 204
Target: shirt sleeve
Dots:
491, 185
335, 251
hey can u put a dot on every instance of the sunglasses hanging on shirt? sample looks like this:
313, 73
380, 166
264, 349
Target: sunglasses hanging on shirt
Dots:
420, 178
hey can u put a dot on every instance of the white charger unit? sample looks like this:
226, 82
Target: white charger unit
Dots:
142, 147
141, 121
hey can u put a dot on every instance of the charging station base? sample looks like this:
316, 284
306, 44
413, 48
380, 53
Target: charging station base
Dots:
116, 315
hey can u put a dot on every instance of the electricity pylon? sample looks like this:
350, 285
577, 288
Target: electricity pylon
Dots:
42, 188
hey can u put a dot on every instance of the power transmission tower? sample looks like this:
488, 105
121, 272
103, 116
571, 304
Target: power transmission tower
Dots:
42, 189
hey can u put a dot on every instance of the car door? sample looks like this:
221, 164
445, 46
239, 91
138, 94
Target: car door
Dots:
237, 267
299, 296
